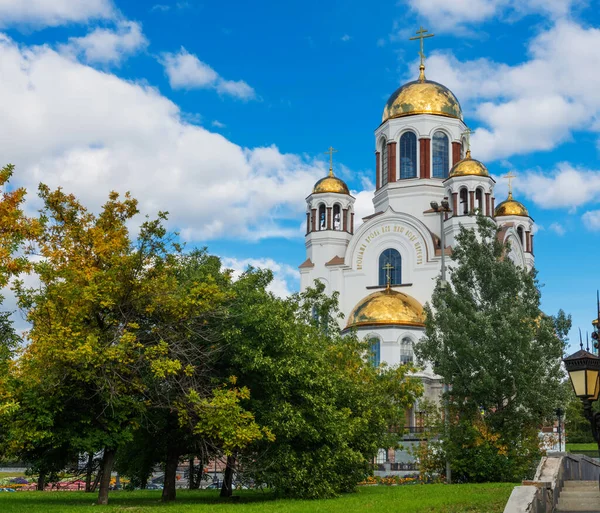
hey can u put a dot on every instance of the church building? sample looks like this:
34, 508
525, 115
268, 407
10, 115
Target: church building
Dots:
427, 186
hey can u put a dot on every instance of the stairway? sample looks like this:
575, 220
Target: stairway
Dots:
579, 497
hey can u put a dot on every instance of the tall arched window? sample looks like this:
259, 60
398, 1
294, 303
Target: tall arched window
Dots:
440, 150
337, 217
392, 257
384, 162
479, 200
408, 155
322, 217
406, 351
521, 235
464, 202
375, 351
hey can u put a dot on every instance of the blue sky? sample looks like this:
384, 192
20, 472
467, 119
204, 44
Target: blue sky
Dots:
220, 112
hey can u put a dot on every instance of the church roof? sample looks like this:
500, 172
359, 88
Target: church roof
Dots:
387, 307
468, 167
511, 207
422, 96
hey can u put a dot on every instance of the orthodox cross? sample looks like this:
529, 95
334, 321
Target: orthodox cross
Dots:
388, 268
331, 151
467, 133
510, 177
421, 35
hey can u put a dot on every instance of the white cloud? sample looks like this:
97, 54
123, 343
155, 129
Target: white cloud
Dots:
105, 46
445, 16
186, 71
345, 38
591, 220
217, 124
160, 7
532, 106
70, 125
558, 228
286, 279
51, 13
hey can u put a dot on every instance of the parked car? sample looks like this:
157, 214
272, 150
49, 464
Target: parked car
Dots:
7, 489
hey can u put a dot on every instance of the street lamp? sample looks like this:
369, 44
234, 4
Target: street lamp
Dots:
584, 371
559, 413
442, 209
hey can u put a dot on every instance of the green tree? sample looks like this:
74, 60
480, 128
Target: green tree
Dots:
328, 408
487, 337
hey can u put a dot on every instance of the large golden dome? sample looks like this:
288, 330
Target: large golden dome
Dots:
468, 167
511, 207
422, 97
331, 183
387, 307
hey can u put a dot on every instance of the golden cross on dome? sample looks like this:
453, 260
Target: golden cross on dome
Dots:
331, 151
510, 177
388, 268
421, 35
467, 133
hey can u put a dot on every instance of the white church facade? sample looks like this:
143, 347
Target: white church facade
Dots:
386, 269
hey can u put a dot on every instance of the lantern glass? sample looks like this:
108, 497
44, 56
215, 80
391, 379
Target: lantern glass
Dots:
597, 391
578, 382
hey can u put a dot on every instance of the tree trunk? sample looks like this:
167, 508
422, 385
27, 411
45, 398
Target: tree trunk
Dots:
88, 472
191, 473
169, 492
227, 488
107, 464
41, 482
198, 473
144, 482
97, 480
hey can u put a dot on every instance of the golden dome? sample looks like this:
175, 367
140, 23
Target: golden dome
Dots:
387, 307
331, 183
511, 207
468, 167
422, 97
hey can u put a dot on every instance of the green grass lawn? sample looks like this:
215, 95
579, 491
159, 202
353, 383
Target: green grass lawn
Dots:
593, 446
439, 498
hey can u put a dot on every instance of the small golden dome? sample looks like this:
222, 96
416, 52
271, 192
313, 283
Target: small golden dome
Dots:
511, 207
331, 183
422, 97
595, 322
468, 167
387, 307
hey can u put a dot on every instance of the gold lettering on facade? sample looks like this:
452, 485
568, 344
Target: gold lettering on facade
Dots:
412, 237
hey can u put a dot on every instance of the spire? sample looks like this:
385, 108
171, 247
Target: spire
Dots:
421, 35
467, 133
331, 151
510, 177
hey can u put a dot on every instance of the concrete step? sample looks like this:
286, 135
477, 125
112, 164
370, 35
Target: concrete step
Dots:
580, 484
579, 497
580, 494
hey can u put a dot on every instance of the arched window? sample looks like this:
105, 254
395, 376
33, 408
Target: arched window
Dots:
408, 155
406, 351
375, 351
322, 217
521, 235
392, 257
479, 200
464, 202
337, 217
440, 155
382, 456
384, 162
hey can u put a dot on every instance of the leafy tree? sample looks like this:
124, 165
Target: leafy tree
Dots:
488, 338
328, 408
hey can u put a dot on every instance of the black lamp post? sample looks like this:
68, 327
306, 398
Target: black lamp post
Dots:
559, 413
584, 371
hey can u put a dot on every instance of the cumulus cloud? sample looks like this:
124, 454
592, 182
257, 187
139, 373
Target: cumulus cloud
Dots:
285, 277
186, 71
591, 220
51, 13
70, 125
446, 15
558, 228
532, 106
106, 46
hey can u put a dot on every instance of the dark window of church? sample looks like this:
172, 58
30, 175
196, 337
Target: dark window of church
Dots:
406, 351
479, 200
408, 155
384, 163
390, 262
440, 152
322, 219
520, 233
464, 202
337, 217
375, 352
